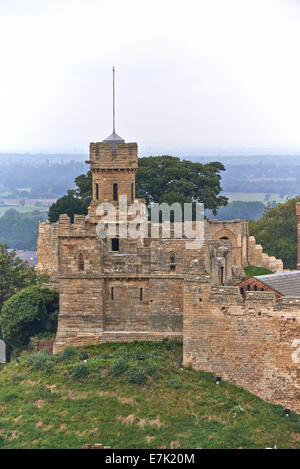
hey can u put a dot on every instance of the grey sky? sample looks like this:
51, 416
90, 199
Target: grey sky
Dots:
190, 73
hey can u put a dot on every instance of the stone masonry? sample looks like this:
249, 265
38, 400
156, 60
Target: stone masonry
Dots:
122, 289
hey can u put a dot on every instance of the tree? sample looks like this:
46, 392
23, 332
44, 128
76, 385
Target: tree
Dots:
28, 313
168, 179
84, 188
67, 204
276, 231
14, 274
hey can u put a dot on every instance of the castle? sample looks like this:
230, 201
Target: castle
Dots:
121, 289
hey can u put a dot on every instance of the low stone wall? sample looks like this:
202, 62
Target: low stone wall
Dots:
253, 343
43, 345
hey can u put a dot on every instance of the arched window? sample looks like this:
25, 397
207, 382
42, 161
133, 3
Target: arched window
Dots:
255, 287
97, 191
80, 261
172, 263
248, 287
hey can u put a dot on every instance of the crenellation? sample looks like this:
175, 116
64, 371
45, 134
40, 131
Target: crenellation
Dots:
122, 289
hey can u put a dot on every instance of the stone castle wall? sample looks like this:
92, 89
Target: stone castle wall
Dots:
253, 343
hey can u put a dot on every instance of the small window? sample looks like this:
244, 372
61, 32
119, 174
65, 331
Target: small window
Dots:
115, 245
141, 294
97, 191
115, 191
255, 287
262, 289
242, 291
248, 287
80, 262
172, 264
112, 293
132, 195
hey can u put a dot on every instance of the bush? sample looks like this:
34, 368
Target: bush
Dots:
68, 353
80, 371
40, 361
29, 312
119, 366
123, 353
151, 367
137, 375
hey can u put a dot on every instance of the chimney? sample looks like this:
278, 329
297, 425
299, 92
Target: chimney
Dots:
298, 233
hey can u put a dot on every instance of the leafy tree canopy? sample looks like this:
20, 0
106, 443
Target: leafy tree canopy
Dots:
276, 231
67, 204
14, 274
168, 179
27, 313
159, 179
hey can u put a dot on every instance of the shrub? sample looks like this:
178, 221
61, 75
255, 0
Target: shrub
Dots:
30, 312
68, 353
40, 361
17, 378
151, 367
137, 375
23, 316
119, 366
123, 353
80, 371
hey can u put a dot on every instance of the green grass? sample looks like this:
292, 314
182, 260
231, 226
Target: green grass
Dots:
252, 271
62, 402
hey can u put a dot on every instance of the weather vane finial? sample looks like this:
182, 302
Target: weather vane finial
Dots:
114, 127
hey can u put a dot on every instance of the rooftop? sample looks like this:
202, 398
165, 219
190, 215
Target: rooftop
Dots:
285, 283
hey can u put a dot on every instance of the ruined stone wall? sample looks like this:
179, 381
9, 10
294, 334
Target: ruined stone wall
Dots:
245, 251
237, 232
257, 257
253, 343
47, 249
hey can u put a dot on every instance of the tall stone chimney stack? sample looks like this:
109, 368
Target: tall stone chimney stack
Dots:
298, 233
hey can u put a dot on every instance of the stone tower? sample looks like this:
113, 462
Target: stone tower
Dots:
113, 165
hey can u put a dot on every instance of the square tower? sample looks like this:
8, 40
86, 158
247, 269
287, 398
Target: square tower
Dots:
113, 165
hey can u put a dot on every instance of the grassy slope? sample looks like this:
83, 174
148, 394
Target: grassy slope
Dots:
175, 407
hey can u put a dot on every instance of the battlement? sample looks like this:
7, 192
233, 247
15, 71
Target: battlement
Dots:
112, 156
79, 228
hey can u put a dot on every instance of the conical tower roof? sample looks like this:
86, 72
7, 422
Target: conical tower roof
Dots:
114, 138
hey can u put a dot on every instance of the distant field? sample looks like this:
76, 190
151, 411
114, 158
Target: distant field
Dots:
252, 197
20, 209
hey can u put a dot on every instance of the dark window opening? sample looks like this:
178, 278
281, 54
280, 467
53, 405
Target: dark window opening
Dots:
248, 287
262, 289
255, 287
80, 262
97, 191
172, 264
141, 294
115, 191
112, 293
115, 244
242, 291
132, 195
222, 275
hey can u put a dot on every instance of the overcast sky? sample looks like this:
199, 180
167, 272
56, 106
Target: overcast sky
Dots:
189, 73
